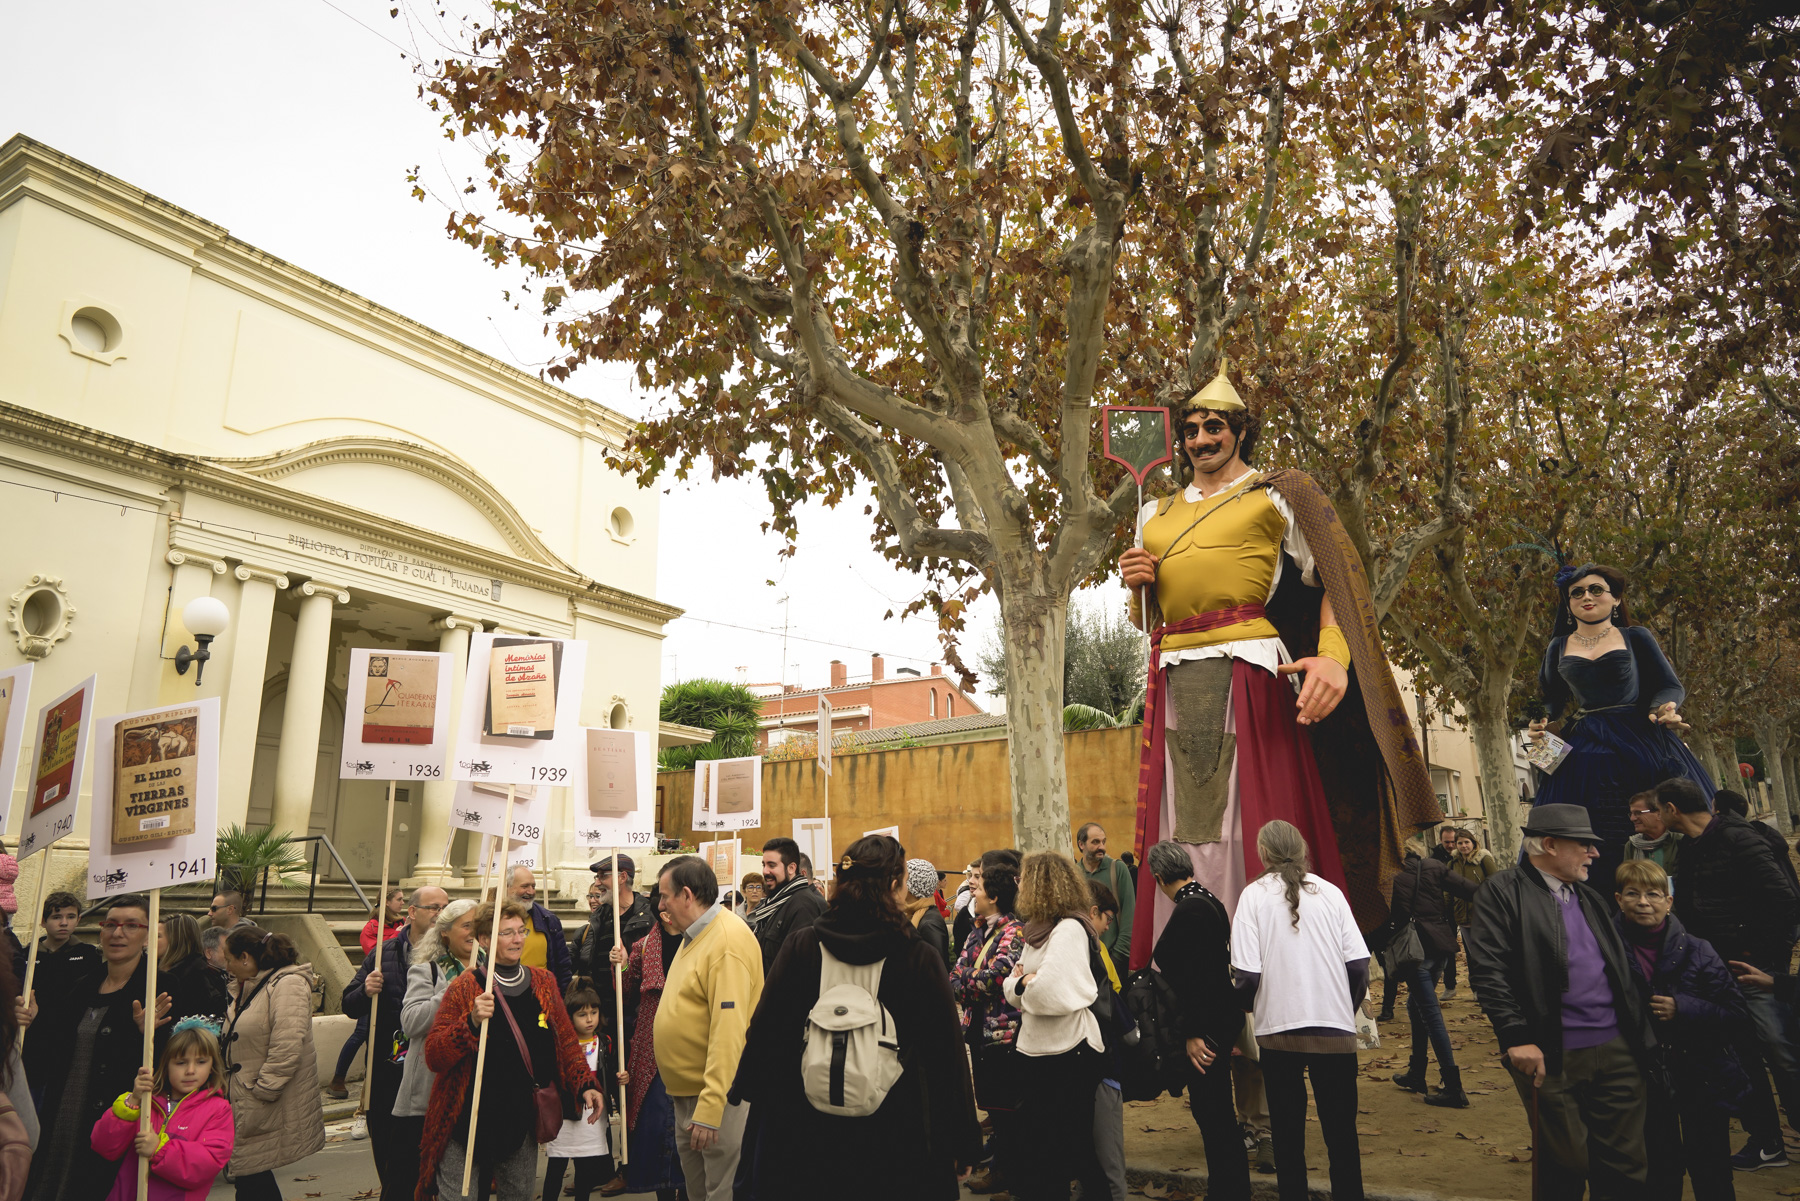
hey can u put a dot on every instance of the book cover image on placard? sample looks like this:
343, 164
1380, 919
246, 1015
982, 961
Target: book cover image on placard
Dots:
400, 700
522, 688
57, 743
612, 773
158, 764
735, 786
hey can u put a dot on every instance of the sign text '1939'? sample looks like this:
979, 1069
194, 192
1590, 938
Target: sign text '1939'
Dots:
553, 775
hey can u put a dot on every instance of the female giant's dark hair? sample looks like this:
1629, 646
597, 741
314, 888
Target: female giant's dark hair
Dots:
271, 951
868, 877
1565, 579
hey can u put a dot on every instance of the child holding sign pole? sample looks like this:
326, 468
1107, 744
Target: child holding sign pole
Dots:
190, 1136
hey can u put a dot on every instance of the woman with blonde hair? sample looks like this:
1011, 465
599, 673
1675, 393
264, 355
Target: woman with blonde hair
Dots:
1301, 968
182, 971
1053, 987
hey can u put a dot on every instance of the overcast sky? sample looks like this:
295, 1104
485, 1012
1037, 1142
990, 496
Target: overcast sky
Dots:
294, 124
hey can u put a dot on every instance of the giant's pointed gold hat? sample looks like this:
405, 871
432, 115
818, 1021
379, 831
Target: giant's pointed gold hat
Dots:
1218, 395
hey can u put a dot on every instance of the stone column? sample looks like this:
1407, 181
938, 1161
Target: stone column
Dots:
249, 635
434, 821
297, 759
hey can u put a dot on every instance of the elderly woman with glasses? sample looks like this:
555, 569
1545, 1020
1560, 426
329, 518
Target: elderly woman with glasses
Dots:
1621, 699
98, 1030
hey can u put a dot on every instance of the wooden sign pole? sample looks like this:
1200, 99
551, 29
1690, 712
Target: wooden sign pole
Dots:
493, 959
37, 907
147, 1105
620, 1153
387, 851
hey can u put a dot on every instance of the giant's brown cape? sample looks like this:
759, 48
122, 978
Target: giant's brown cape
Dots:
1369, 761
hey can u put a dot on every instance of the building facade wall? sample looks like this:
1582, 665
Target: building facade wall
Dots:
338, 475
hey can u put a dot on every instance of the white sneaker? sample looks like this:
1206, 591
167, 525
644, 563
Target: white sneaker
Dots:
359, 1129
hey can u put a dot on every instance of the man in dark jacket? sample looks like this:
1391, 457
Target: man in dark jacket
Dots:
1194, 955
545, 944
1554, 979
1443, 853
637, 917
1734, 895
388, 1046
1419, 896
790, 902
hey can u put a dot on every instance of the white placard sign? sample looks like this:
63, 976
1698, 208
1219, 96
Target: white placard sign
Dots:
53, 778
814, 836
825, 738
15, 691
521, 704
155, 817
615, 789
892, 832
727, 794
482, 808
396, 716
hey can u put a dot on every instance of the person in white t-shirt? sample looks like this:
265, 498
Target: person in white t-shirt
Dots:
1301, 968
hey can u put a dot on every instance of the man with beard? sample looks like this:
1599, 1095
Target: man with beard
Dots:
790, 902
637, 917
1250, 582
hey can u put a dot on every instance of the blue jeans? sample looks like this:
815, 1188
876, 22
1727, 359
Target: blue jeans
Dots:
1427, 1017
1774, 1046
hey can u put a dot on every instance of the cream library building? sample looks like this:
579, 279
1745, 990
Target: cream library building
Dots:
183, 415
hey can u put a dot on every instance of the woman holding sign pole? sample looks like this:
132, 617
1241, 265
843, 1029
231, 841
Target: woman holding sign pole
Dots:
98, 1033
531, 1049
269, 1060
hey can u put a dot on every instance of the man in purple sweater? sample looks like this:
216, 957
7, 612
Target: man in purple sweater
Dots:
1553, 977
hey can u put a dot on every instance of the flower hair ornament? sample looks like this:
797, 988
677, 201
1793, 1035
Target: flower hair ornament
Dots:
198, 1022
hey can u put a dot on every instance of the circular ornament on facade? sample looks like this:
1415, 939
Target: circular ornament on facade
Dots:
92, 332
621, 524
39, 615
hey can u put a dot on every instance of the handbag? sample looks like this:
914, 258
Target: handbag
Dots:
546, 1098
1405, 949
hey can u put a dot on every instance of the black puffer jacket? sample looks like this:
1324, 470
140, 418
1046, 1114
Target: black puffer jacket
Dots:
1734, 895
1519, 963
1419, 893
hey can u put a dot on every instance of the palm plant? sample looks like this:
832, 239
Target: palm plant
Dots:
243, 855
730, 711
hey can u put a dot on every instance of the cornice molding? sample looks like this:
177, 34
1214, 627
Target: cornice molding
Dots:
30, 168
441, 468
336, 593
179, 555
265, 575
60, 438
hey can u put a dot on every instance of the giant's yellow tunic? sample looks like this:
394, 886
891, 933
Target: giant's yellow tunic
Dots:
1228, 559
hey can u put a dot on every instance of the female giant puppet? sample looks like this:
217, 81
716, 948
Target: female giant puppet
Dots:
1255, 582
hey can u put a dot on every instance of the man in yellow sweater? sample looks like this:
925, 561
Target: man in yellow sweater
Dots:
710, 992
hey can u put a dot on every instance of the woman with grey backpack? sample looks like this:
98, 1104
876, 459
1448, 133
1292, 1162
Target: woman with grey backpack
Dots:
855, 1055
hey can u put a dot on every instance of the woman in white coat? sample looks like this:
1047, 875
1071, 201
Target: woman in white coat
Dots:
1060, 1043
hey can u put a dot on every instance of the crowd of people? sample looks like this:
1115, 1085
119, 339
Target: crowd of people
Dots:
990, 1038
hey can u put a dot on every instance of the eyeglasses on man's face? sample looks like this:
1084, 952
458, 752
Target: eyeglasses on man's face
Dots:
1594, 590
128, 927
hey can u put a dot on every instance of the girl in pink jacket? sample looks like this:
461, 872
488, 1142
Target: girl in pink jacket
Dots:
190, 1135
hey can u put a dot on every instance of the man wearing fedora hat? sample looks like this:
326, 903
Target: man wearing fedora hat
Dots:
1553, 976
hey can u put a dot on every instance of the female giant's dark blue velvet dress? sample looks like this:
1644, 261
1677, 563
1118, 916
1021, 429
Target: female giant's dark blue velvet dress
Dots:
1615, 750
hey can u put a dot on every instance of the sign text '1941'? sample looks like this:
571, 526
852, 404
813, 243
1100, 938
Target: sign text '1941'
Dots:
191, 869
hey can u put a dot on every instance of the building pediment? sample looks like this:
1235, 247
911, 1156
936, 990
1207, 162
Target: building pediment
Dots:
420, 485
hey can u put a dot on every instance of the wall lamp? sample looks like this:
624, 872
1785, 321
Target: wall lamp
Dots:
205, 618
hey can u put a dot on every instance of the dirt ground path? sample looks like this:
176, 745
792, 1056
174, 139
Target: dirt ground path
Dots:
1408, 1146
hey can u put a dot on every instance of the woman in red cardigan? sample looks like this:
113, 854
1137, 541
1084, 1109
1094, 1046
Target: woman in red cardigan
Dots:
505, 1137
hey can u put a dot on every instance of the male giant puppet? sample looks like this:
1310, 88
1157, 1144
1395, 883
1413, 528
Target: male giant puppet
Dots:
1256, 585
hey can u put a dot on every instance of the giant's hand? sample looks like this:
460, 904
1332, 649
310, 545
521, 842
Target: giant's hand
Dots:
1326, 683
1138, 567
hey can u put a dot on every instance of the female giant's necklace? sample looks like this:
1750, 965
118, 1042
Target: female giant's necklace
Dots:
1589, 643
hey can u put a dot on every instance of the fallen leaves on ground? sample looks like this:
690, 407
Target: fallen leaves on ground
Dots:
304, 1179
